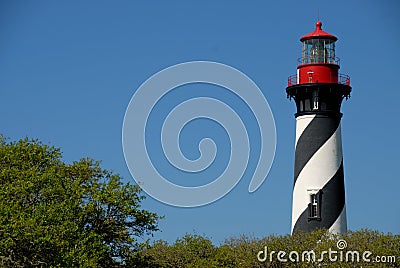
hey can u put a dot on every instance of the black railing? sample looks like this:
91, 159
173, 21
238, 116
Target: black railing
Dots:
343, 79
292, 80
318, 60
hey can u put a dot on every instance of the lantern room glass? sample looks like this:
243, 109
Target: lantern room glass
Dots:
318, 51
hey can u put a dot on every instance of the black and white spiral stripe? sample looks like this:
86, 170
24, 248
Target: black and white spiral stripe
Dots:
319, 167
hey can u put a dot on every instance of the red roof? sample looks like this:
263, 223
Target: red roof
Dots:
318, 33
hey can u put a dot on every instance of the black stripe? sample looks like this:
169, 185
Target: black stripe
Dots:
318, 131
332, 204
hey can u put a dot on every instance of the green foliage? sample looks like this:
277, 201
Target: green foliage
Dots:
189, 251
54, 214
198, 251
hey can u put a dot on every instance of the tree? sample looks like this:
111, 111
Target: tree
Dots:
66, 215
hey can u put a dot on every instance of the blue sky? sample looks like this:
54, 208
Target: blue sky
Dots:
69, 68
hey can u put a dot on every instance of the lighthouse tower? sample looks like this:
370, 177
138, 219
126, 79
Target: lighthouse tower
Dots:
318, 90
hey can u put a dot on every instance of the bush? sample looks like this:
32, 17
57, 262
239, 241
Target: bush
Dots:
198, 251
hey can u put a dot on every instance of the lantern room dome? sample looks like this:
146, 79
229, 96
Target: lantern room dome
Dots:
318, 33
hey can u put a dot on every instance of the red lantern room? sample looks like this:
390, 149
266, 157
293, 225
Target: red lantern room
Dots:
318, 63
318, 88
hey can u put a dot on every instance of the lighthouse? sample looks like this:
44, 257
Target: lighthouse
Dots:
318, 91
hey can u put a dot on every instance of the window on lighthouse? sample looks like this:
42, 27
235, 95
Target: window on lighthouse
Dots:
318, 51
315, 100
314, 207
301, 106
307, 105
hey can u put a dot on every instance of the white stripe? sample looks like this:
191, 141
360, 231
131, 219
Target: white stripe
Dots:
301, 123
340, 225
322, 166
